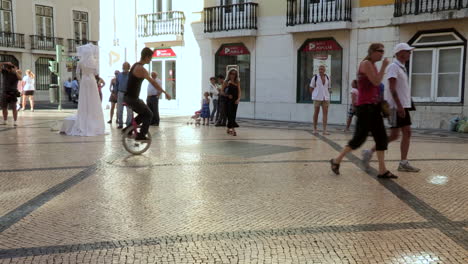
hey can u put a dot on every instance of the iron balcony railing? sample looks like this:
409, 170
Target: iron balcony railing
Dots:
74, 43
11, 40
317, 11
162, 23
415, 7
231, 17
45, 43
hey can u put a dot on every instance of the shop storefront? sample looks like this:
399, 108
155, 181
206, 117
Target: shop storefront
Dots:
235, 54
312, 54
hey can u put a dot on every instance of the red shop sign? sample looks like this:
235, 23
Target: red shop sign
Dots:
321, 45
233, 50
164, 53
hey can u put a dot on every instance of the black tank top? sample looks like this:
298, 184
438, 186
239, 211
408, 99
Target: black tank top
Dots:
134, 84
232, 89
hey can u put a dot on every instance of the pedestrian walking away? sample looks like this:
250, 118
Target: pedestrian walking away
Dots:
137, 74
121, 83
67, 85
75, 90
11, 76
113, 95
398, 97
28, 89
100, 84
369, 113
214, 94
352, 107
152, 99
320, 90
233, 93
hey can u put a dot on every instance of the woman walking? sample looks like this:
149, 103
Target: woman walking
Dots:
369, 111
233, 92
113, 96
28, 89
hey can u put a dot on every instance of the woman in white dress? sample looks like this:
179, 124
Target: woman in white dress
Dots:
28, 89
89, 120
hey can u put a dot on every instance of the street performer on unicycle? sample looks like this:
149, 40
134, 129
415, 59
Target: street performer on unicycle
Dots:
136, 76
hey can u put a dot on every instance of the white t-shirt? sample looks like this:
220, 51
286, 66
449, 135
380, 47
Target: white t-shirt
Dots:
398, 71
152, 90
28, 84
214, 89
321, 90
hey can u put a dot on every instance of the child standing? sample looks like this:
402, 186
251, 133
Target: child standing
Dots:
205, 111
352, 108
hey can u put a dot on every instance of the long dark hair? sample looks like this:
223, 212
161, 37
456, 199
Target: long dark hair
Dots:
372, 48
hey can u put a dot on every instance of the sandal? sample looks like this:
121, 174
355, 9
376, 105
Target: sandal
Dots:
234, 133
387, 175
335, 167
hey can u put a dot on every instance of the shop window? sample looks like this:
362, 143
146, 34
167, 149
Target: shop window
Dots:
436, 67
235, 54
312, 54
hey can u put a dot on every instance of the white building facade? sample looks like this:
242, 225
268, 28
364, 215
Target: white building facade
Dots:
30, 30
278, 46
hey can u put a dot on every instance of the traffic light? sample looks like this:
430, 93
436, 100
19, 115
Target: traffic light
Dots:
53, 67
59, 49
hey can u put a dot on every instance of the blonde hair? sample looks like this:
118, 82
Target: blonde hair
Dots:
30, 74
229, 75
372, 48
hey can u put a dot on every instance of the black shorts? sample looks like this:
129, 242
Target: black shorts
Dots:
28, 92
399, 122
9, 98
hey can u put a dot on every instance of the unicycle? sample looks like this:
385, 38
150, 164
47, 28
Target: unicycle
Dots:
131, 145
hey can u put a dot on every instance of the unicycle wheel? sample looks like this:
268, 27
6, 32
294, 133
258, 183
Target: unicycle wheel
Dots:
133, 146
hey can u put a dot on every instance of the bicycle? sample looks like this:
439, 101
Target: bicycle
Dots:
131, 145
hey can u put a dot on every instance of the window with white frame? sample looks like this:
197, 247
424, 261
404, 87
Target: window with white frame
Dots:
436, 68
44, 21
80, 25
6, 16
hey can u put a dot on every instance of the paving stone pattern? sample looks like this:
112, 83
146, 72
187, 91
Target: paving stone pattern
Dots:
201, 196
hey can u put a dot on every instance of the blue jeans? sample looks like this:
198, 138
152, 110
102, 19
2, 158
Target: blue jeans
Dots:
120, 107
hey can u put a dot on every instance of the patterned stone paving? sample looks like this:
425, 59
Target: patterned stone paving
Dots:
201, 196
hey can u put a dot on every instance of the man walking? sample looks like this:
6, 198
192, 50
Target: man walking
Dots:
121, 85
68, 88
214, 92
399, 98
320, 90
11, 75
153, 99
222, 100
75, 89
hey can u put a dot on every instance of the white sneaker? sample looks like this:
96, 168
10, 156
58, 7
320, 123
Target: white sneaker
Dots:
366, 157
15, 124
406, 167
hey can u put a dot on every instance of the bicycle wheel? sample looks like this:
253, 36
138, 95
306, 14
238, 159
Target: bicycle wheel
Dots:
133, 146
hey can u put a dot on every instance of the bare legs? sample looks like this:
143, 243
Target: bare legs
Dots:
13, 109
380, 157
324, 120
112, 112
31, 102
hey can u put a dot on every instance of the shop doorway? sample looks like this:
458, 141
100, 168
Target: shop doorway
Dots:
165, 64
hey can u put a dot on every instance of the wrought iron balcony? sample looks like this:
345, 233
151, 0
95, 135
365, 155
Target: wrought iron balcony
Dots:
11, 40
162, 23
317, 11
230, 17
415, 7
45, 43
74, 43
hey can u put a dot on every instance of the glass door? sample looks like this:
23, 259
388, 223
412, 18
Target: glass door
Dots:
166, 69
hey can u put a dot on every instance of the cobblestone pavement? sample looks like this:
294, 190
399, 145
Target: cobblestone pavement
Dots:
202, 196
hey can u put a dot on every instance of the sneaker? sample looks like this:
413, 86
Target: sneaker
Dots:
141, 138
366, 157
406, 167
120, 127
15, 124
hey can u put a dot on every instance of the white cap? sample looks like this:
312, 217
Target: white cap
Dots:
402, 46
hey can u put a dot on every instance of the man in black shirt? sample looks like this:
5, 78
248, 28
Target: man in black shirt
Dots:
137, 74
10, 77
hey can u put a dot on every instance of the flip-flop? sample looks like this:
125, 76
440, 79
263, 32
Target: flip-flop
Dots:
387, 175
335, 167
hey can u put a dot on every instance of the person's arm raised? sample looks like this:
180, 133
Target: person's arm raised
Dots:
141, 72
374, 77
